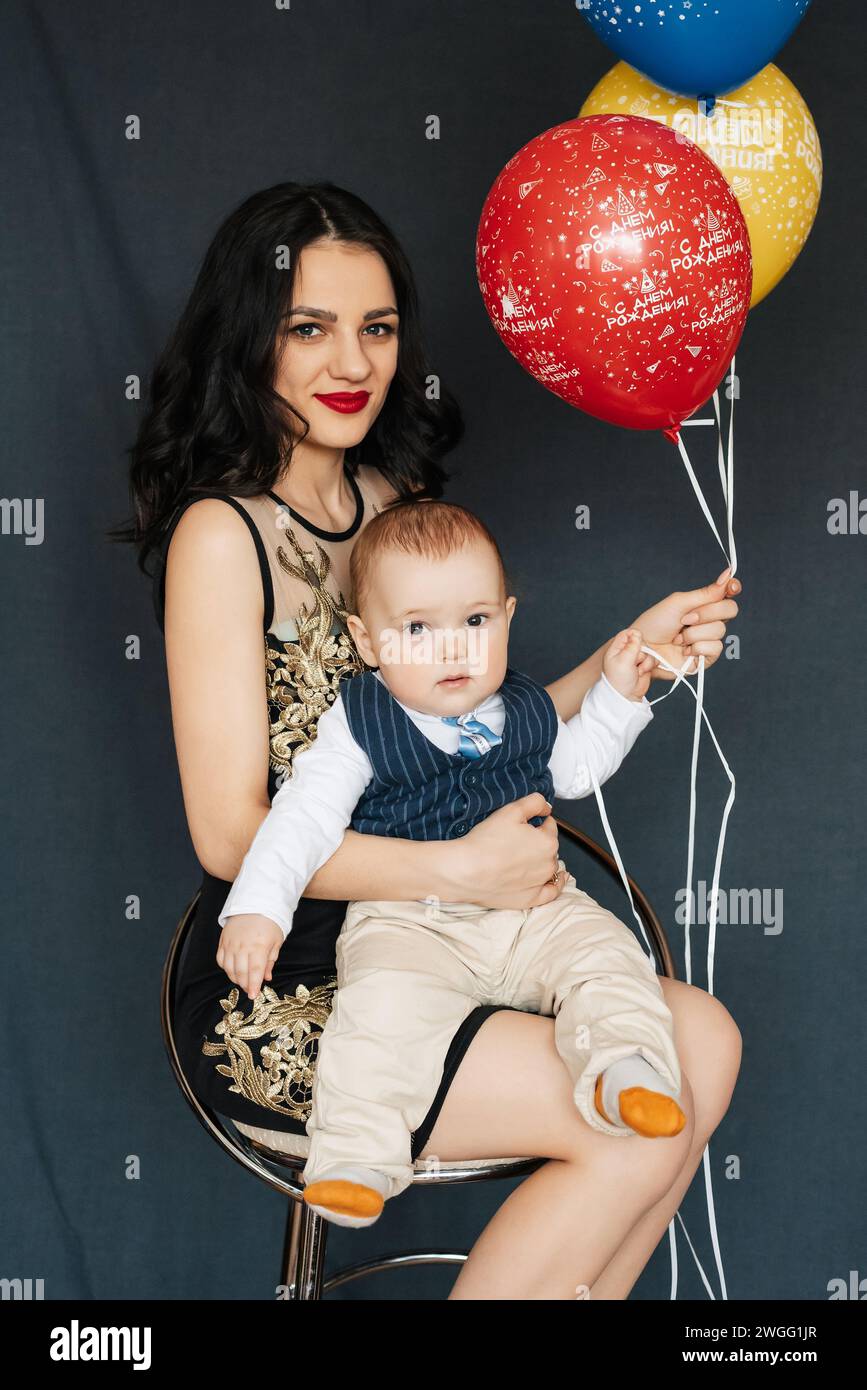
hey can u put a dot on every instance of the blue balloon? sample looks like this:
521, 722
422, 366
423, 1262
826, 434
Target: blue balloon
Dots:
696, 48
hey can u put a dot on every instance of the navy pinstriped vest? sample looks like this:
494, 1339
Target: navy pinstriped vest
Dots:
420, 792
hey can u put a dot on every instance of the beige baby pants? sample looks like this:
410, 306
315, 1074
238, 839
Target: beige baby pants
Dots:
409, 972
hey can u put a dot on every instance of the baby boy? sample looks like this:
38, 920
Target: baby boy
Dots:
437, 735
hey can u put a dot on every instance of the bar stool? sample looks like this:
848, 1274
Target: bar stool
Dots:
303, 1262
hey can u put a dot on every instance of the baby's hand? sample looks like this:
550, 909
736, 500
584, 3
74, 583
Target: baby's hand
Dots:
626, 666
249, 946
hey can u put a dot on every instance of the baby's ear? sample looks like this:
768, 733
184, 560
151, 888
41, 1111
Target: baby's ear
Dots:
359, 635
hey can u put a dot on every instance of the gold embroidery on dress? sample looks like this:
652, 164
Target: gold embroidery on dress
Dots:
294, 1023
303, 677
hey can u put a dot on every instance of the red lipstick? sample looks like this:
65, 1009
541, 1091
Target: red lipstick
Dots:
344, 402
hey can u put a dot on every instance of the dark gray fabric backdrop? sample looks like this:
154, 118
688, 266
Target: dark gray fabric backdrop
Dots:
101, 240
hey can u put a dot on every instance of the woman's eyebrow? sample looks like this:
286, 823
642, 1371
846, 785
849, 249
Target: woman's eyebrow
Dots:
332, 318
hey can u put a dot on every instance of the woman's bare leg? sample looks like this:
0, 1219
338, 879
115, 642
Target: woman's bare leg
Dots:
577, 1218
555, 1234
709, 1047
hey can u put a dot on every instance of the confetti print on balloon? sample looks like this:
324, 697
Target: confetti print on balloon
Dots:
702, 48
648, 13
614, 262
606, 18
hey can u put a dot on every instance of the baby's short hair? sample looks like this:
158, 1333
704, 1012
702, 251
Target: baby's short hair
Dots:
431, 528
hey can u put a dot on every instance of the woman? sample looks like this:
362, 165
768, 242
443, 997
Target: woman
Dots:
291, 403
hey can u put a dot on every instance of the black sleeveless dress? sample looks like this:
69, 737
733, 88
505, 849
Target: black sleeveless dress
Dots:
254, 1061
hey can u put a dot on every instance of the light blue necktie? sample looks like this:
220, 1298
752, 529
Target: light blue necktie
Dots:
476, 738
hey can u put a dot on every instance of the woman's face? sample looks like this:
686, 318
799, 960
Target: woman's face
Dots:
341, 342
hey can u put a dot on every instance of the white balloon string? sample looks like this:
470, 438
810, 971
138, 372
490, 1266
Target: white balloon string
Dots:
672, 1250
700, 714
711, 1218
726, 478
727, 481
704, 1278
700, 495
726, 472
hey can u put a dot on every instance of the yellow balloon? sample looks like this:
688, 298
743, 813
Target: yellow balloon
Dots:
763, 139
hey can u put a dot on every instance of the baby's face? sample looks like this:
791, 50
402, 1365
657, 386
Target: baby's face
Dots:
437, 629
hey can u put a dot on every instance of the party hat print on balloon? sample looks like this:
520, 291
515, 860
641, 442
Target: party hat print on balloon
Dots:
762, 137
614, 262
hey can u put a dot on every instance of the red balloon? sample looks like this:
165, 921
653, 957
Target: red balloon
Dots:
615, 264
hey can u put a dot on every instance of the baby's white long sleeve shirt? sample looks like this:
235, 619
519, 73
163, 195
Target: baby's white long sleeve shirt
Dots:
312, 809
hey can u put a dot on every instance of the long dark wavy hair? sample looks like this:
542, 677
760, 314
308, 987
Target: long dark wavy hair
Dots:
213, 418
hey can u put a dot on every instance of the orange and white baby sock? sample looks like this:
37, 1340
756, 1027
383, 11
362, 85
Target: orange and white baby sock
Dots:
349, 1195
632, 1094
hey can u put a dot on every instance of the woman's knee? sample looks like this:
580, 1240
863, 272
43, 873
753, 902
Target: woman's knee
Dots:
728, 1047
726, 1033
710, 1047
647, 1168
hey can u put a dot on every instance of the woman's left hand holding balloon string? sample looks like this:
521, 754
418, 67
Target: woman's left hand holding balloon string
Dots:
689, 622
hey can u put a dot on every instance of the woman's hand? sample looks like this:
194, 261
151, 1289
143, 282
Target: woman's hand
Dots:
249, 946
506, 862
689, 623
